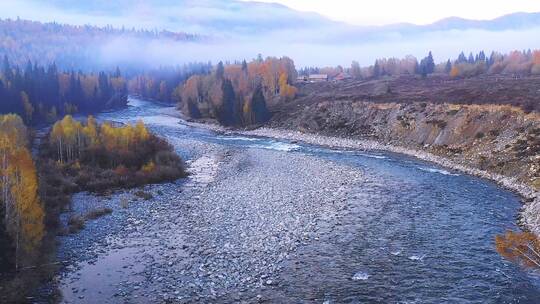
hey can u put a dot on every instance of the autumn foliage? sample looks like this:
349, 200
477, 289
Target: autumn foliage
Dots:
75, 141
519, 247
21, 221
517, 63
104, 156
520, 63
239, 94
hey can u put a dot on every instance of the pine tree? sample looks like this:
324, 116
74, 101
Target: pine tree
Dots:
117, 73
28, 108
259, 109
228, 113
6, 69
427, 65
461, 58
471, 58
220, 71
481, 56
448, 67
376, 69
430, 64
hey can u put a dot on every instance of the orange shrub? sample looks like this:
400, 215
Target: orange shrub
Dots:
520, 247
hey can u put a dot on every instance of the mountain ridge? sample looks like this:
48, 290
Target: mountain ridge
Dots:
253, 17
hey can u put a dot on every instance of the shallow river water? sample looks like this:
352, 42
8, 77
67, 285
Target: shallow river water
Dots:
411, 233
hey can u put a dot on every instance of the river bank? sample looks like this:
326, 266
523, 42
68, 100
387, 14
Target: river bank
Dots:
530, 214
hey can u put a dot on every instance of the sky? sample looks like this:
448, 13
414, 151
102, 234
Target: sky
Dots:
381, 12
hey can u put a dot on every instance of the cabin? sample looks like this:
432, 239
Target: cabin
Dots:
302, 79
318, 78
342, 76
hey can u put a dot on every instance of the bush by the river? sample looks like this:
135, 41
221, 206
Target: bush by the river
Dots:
99, 158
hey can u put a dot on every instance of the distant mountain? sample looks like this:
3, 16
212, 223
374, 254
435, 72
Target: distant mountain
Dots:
200, 16
511, 22
514, 21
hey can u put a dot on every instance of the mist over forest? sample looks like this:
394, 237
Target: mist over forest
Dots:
237, 30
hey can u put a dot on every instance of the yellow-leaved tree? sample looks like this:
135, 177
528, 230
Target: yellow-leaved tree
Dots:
288, 92
90, 132
28, 226
28, 107
22, 210
67, 134
141, 132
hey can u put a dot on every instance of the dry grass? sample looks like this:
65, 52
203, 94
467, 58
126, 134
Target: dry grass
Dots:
97, 213
76, 223
124, 203
144, 195
500, 90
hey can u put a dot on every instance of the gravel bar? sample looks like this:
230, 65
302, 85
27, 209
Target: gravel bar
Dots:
222, 235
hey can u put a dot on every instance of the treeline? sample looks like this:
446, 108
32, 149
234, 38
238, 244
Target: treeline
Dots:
71, 47
40, 94
517, 63
21, 211
239, 93
385, 66
162, 84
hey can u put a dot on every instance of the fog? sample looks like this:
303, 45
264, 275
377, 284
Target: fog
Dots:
239, 30
444, 45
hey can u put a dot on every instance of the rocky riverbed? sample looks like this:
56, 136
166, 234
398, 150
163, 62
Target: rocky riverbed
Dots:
291, 220
222, 234
529, 217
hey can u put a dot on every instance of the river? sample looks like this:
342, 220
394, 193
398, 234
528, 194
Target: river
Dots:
402, 230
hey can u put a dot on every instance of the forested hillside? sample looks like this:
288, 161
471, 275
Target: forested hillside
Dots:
40, 94
70, 47
236, 94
